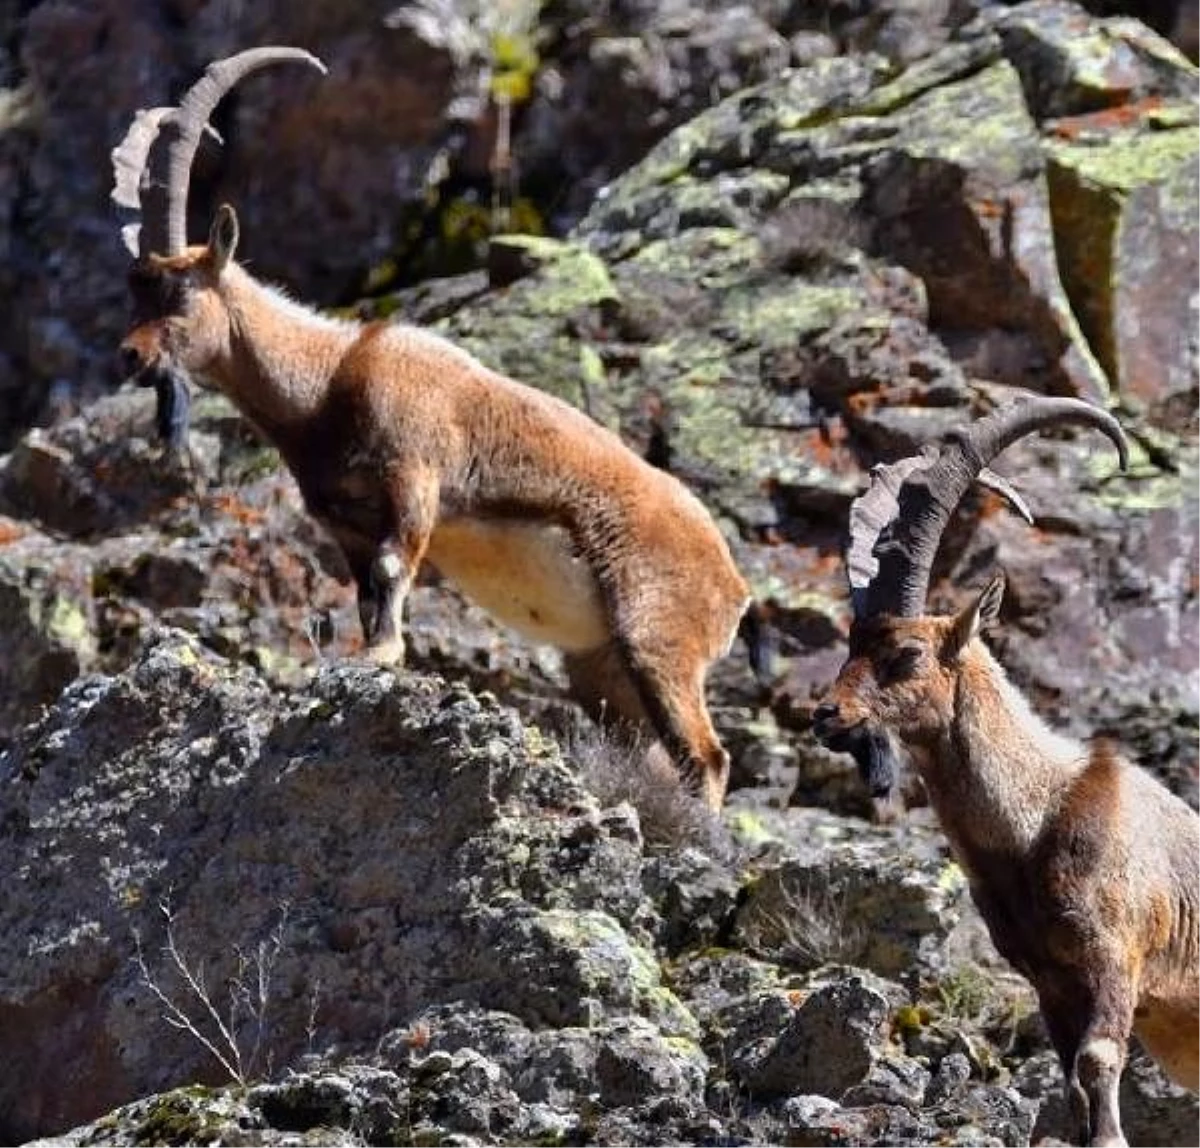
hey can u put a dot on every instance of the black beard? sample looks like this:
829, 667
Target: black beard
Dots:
174, 403
873, 753
877, 763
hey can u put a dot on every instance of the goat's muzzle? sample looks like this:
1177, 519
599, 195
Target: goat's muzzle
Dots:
871, 748
130, 361
829, 730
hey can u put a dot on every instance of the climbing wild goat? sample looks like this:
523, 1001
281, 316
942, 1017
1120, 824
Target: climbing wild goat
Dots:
408, 449
1084, 867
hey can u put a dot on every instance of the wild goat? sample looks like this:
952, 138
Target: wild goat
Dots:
408, 450
1084, 867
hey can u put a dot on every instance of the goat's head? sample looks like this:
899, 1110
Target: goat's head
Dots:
901, 676
180, 324
179, 319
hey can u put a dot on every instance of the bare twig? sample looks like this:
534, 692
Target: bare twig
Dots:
249, 992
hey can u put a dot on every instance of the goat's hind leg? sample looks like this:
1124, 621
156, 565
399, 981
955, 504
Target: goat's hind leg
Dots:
670, 684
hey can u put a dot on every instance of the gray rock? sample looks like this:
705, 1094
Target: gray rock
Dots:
1072, 63
183, 811
854, 901
825, 1044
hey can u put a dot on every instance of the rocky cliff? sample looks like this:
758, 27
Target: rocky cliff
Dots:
274, 893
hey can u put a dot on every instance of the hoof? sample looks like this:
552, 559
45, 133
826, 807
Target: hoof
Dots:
390, 653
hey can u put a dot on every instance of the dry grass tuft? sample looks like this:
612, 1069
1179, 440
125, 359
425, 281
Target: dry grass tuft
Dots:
616, 767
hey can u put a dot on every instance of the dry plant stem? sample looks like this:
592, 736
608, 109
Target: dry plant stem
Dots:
249, 993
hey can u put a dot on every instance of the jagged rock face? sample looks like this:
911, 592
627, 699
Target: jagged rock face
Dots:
325, 173
382, 843
828, 269
389, 911
454, 940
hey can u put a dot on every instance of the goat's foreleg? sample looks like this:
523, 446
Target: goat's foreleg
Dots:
633, 700
1101, 1059
1088, 1016
385, 575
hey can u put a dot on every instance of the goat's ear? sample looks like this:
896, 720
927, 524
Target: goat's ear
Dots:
976, 617
223, 236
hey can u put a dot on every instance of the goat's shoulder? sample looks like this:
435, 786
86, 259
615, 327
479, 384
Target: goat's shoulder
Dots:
1040, 904
1082, 829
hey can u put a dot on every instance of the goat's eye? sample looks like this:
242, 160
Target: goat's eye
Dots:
904, 663
155, 294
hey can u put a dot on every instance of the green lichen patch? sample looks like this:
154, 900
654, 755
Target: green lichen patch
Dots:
1110, 200
563, 279
528, 329
184, 1116
775, 317
955, 63
979, 123
1146, 487
1117, 165
612, 967
65, 621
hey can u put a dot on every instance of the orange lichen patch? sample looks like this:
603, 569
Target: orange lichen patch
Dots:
235, 508
10, 531
992, 504
1108, 119
862, 402
826, 446
988, 208
821, 451
418, 1036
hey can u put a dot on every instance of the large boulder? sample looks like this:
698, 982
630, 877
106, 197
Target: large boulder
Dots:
183, 840
1118, 109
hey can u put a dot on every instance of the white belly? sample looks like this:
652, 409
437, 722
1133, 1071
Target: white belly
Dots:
525, 574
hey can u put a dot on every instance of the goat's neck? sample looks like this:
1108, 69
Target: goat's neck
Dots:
997, 773
282, 355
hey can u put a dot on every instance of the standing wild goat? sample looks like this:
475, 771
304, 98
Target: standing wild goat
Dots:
408, 449
1084, 867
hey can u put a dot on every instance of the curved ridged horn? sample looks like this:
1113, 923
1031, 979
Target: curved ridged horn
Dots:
168, 154
897, 525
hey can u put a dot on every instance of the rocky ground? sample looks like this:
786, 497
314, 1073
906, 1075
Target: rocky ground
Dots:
259, 892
